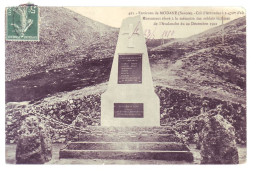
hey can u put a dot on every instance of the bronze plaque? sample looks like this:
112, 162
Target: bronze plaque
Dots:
128, 110
130, 69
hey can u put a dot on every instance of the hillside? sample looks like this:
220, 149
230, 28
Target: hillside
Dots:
153, 43
200, 64
211, 64
39, 85
65, 88
65, 38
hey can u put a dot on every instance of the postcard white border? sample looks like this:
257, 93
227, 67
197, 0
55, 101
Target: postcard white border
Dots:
253, 85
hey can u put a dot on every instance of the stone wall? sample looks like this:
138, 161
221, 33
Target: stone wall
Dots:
177, 105
81, 111
63, 117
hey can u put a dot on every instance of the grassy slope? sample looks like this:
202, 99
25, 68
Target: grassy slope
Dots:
204, 64
42, 84
65, 38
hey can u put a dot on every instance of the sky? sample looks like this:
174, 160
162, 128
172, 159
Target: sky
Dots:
194, 20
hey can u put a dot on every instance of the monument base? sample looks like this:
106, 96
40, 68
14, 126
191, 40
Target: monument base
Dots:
138, 108
128, 144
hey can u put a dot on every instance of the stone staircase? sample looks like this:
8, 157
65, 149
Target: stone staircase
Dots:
128, 143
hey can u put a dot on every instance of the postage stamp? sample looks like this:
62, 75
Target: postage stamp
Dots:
22, 23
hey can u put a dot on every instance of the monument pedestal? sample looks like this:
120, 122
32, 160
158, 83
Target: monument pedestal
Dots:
134, 99
130, 111
130, 99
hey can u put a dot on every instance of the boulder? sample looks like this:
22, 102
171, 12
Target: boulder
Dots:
34, 144
218, 145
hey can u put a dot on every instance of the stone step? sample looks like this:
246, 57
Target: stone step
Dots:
128, 143
124, 137
170, 146
130, 130
128, 155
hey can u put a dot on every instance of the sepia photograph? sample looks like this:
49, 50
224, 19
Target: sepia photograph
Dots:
125, 85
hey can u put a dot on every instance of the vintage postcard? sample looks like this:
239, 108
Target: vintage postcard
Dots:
125, 85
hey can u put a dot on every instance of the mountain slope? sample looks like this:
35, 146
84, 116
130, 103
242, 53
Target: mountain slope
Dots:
212, 64
200, 64
65, 37
237, 26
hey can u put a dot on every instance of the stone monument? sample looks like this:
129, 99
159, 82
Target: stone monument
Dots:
130, 99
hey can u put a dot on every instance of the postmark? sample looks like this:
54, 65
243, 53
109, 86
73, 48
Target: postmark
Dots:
22, 23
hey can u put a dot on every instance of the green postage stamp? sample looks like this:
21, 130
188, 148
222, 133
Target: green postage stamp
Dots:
22, 23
